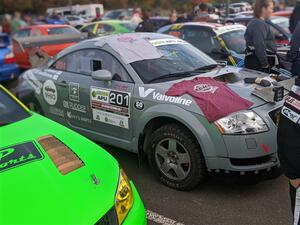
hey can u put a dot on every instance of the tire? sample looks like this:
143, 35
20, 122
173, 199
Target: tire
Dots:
175, 157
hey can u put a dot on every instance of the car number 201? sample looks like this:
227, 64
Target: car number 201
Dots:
119, 99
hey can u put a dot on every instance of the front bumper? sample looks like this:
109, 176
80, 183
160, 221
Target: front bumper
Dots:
9, 72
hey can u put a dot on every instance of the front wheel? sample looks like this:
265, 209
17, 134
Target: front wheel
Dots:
175, 157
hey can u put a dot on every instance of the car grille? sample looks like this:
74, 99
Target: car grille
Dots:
110, 218
275, 115
250, 161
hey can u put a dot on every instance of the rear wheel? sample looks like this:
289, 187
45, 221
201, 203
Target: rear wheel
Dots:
176, 158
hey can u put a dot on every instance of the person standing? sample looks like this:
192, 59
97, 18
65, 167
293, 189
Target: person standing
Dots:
16, 23
289, 130
260, 41
295, 17
146, 25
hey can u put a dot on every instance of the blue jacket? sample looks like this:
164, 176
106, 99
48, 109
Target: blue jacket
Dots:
294, 54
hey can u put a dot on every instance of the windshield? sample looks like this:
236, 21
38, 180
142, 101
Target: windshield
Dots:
176, 58
282, 22
10, 110
62, 30
235, 41
115, 14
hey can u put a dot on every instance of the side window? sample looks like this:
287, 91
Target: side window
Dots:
104, 28
22, 33
201, 38
88, 29
36, 32
87, 61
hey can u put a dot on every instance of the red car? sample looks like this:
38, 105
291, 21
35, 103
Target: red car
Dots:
22, 55
283, 13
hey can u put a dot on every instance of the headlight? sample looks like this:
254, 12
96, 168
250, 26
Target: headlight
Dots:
244, 122
123, 198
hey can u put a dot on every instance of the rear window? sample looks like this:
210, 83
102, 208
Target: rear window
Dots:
10, 110
62, 30
129, 26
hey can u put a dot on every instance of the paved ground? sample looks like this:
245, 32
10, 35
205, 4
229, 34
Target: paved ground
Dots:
220, 201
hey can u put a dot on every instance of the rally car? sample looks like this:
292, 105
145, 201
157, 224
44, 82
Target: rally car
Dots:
107, 27
9, 70
221, 42
114, 89
51, 175
22, 54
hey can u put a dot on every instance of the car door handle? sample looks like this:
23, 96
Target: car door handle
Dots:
62, 83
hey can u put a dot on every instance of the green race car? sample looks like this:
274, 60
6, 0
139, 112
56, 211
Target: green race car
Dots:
52, 175
101, 28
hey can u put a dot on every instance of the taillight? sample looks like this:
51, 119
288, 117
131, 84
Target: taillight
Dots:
9, 58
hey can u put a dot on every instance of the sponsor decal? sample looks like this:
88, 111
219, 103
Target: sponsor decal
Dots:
74, 91
110, 118
33, 81
49, 73
105, 103
139, 105
293, 102
50, 92
57, 111
17, 155
74, 106
170, 41
203, 88
164, 98
78, 118
290, 114
296, 89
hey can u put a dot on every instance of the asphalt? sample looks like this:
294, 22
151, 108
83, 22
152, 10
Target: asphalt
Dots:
222, 200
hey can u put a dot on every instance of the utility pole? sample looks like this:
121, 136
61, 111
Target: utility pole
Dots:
227, 8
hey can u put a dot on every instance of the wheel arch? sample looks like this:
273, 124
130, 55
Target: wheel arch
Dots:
160, 115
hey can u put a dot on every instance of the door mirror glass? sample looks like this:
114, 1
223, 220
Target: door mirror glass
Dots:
103, 75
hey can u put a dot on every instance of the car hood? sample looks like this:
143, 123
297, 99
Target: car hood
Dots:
37, 193
235, 81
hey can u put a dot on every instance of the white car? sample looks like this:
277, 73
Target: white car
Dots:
241, 6
75, 21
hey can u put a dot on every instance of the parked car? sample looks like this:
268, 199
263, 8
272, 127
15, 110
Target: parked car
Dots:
114, 89
22, 55
221, 42
56, 165
107, 27
9, 70
118, 14
286, 13
241, 6
279, 26
75, 21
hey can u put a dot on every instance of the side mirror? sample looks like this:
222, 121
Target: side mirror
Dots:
103, 75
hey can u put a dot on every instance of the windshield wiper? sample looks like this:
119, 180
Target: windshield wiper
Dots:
207, 67
171, 75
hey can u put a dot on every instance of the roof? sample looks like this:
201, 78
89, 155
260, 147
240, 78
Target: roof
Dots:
46, 26
216, 27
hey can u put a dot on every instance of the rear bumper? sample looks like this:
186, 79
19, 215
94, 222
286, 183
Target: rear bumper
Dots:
9, 72
137, 214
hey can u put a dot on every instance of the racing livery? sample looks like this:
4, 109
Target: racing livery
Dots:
42, 163
114, 89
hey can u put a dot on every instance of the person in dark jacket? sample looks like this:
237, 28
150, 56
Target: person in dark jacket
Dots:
260, 41
146, 25
294, 54
295, 17
289, 129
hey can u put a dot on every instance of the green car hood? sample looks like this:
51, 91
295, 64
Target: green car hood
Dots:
37, 193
